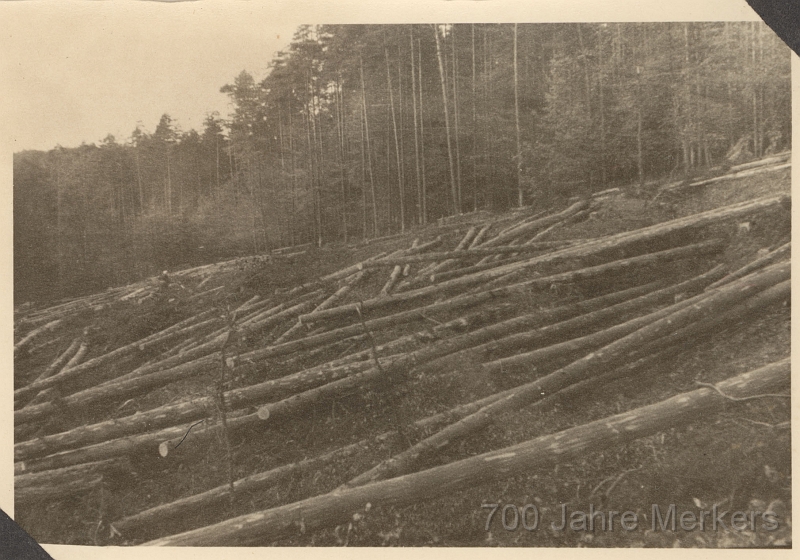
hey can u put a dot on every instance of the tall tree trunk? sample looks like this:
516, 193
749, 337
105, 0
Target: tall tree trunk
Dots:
600, 70
369, 151
292, 228
520, 195
401, 170
363, 176
422, 136
139, 179
455, 116
396, 140
310, 152
168, 193
340, 131
420, 218
474, 130
454, 193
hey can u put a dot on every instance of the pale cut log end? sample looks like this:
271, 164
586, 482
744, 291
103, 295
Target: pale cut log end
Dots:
263, 413
163, 448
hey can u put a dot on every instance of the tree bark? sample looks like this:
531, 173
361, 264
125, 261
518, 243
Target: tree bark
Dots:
57, 484
339, 506
667, 321
589, 318
518, 158
453, 191
396, 141
586, 249
769, 258
31, 336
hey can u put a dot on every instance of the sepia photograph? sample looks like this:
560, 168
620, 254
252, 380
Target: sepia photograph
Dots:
413, 284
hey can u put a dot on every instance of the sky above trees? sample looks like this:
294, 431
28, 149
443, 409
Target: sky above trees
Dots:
76, 71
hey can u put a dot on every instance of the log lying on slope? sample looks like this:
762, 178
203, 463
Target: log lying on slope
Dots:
131, 526
538, 360
392, 370
586, 321
141, 383
337, 296
468, 253
613, 354
136, 444
776, 255
535, 225
569, 276
59, 483
600, 246
31, 336
339, 506
394, 277
134, 524
61, 360
99, 361
194, 409
350, 270
462, 245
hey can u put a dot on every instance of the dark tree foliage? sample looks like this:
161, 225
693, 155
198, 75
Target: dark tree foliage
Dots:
311, 153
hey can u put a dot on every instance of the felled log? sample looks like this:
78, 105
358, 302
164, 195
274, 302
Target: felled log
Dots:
132, 525
392, 372
608, 356
744, 173
480, 237
426, 271
61, 360
777, 254
531, 337
58, 364
89, 365
60, 483
216, 340
338, 295
31, 336
467, 254
186, 411
535, 225
599, 246
462, 245
339, 506
569, 276
350, 270
137, 444
542, 358
49, 393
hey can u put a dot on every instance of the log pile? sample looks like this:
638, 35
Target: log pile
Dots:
372, 327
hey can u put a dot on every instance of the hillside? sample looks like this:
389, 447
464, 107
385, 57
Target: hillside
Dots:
290, 374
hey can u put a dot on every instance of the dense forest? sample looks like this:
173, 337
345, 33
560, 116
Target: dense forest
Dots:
360, 131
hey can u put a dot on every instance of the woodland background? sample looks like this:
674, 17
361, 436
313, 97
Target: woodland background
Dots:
361, 131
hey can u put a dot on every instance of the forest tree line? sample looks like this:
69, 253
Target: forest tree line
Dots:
360, 131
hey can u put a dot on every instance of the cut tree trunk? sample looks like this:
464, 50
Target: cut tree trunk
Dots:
597, 247
769, 258
569, 276
31, 336
95, 362
587, 320
187, 411
339, 506
468, 254
60, 483
612, 355
130, 526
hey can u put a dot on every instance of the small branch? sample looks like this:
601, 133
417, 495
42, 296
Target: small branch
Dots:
740, 399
